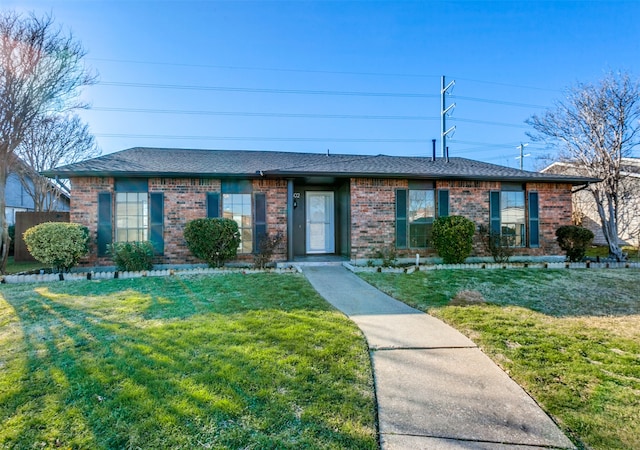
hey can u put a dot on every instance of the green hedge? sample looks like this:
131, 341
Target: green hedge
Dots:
213, 240
574, 240
132, 256
453, 238
59, 245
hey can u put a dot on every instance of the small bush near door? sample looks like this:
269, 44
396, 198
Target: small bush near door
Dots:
213, 240
59, 245
453, 238
267, 246
132, 256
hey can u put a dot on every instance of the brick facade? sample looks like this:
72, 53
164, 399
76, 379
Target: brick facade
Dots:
372, 210
185, 199
276, 195
373, 215
84, 210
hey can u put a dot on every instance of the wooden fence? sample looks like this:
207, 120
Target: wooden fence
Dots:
26, 220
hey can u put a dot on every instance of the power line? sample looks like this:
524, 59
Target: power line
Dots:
265, 91
254, 138
261, 114
265, 69
499, 102
334, 72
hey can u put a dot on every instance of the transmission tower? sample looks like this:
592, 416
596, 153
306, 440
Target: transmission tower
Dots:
444, 111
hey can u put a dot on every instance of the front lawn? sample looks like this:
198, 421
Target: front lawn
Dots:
232, 361
571, 338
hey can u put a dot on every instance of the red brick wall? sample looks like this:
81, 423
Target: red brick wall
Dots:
276, 197
372, 212
555, 211
373, 215
84, 210
185, 199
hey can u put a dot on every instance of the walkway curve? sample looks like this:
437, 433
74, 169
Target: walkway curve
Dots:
435, 388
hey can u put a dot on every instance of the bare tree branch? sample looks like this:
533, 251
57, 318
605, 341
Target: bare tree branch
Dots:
41, 72
596, 126
52, 141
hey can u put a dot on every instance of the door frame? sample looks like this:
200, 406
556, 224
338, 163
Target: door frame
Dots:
330, 244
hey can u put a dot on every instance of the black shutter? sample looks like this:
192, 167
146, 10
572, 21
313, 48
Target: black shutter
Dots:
156, 221
105, 223
401, 218
213, 205
260, 218
494, 211
534, 220
443, 203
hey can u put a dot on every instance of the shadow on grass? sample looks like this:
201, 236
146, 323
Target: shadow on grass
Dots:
208, 363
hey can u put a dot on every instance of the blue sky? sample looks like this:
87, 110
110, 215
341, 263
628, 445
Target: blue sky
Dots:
356, 77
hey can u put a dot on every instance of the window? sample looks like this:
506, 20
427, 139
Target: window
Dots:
415, 213
237, 207
420, 217
132, 216
512, 217
509, 215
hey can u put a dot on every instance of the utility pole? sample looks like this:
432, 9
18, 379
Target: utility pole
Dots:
522, 155
444, 110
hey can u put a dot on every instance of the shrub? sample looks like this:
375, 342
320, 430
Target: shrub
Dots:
59, 245
574, 240
132, 256
387, 255
499, 246
212, 240
266, 248
453, 238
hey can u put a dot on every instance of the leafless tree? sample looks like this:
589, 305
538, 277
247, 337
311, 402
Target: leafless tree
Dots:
597, 125
52, 141
41, 71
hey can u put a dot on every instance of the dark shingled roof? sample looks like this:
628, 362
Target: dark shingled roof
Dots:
168, 162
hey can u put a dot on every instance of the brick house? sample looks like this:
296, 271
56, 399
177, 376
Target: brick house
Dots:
345, 205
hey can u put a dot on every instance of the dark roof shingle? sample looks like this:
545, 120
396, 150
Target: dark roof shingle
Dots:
167, 162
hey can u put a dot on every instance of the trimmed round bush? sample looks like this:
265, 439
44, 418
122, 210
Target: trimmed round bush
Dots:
132, 256
574, 240
59, 245
453, 238
213, 240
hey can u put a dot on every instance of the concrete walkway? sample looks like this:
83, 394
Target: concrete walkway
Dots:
435, 389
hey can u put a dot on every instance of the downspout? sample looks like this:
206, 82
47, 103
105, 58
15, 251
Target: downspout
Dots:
289, 220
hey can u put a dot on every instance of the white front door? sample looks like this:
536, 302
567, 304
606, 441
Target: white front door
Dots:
320, 226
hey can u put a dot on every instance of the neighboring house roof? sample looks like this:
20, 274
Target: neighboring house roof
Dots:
629, 166
19, 166
167, 162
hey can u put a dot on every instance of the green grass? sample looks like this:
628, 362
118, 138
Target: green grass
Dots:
16, 267
603, 252
571, 338
233, 361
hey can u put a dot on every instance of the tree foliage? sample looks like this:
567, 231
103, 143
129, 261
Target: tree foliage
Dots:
41, 72
596, 126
